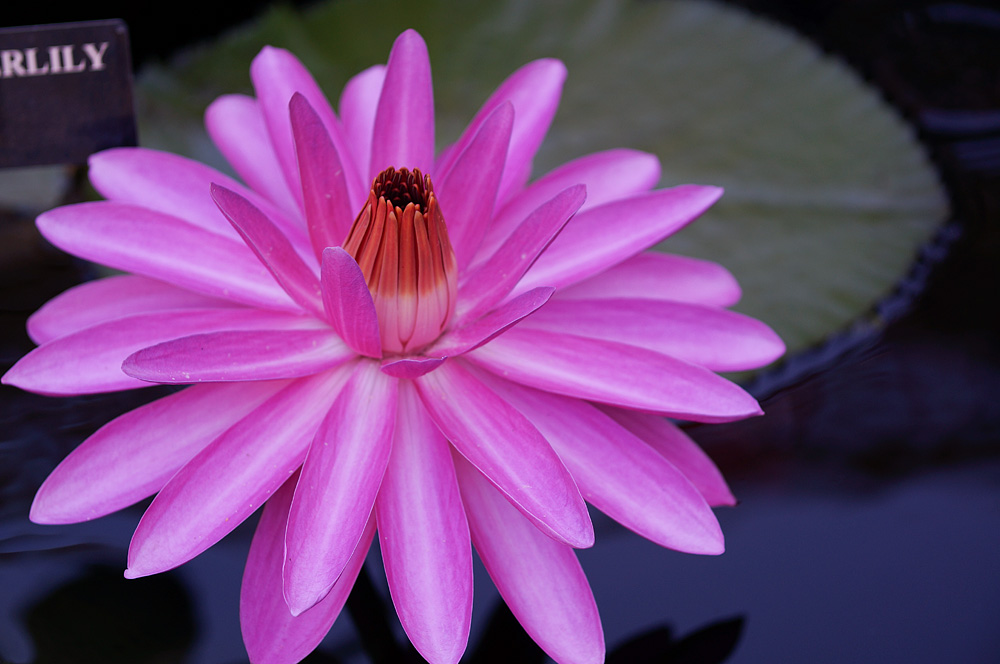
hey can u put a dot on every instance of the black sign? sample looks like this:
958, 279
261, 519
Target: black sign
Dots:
65, 92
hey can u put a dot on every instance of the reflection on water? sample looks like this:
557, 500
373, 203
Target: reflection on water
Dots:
870, 510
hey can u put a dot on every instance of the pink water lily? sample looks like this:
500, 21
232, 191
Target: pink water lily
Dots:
381, 339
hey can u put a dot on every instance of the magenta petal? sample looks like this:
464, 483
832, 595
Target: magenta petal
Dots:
717, 339
656, 276
608, 234
494, 279
156, 245
90, 360
337, 489
404, 122
614, 373
272, 248
237, 128
608, 176
425, 535
348, 303
475, 334
467, 192
534, 90
539, 578
238, 355
325, 193
618, 473
503, 444
175, 186
358, 104
271, 634
411, 367
667, 439
133, 456
108, 299
228, 480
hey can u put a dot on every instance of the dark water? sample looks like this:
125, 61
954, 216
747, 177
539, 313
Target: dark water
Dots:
869, 522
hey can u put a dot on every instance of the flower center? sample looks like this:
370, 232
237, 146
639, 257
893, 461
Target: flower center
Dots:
401, 244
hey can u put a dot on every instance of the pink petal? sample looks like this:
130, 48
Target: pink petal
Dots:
411, 367
228, 480
348, 303
239, 355
89, 361
404, 122
467, 192
156, 245
277, 75
271, 634
236, 126
337, 489
668, 440
501, 443
494, 279
133, 456
176, 186
325, 192
108, 299
534, 90
539, 579
608, 234
425, 536
657, 276
608, 176
618, 473
358, 103
475, 334
614, 373
272, 248
717, 339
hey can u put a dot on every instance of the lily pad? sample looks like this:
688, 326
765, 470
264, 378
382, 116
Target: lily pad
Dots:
828, 194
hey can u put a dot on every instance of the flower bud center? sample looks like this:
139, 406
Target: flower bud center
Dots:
400, 241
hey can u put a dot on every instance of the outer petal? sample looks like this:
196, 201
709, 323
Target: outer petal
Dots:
477, 333
404, 122
238, 356
156, 245
109, 299
608, 176
176, 186
325, 193
90, 361
133, 456
614, 373
277, 75
272, 248
618, 473
508, 450
534, 90
468, 191
494, 279
539, 579
714, 338
425, 536
236, 125
667, 439
337, 489
606, 235
228, 480
358, 103
656, 276
348, 303
270, 632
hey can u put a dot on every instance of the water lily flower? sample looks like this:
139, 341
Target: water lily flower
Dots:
378, 338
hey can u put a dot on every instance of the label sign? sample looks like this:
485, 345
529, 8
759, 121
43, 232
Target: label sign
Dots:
65, 92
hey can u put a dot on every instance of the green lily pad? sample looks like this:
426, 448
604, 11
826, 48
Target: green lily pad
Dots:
828, 194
